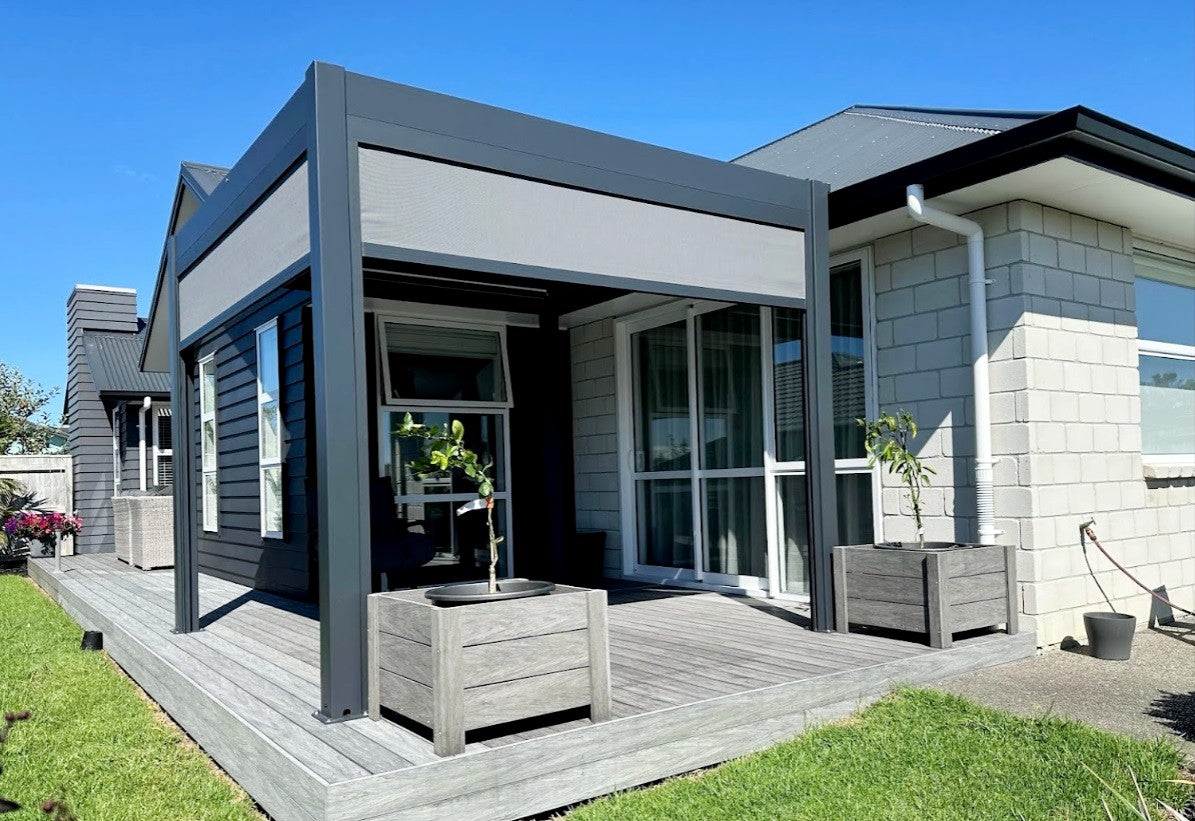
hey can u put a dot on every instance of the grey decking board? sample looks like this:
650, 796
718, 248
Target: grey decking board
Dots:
541, 768
314, 753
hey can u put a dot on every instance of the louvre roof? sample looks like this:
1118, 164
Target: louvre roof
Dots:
861, 142
113, 359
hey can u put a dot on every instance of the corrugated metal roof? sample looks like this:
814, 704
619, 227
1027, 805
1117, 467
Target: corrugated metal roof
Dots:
113, 358
865, 141
205, 177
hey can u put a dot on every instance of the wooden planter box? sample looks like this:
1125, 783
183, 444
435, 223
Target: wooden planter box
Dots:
454, 669
934, 592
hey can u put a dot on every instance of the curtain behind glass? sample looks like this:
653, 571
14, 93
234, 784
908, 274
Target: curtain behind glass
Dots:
661, 398
735, 540
846, 349
789, 384
731, 388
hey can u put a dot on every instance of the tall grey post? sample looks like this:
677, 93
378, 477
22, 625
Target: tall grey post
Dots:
340, 430
182, 410
819, 412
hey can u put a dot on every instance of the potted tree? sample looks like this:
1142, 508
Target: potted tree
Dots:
936, 588
477, 654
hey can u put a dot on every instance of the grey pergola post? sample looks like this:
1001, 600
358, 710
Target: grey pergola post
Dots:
340, 427
819, 414
182, 438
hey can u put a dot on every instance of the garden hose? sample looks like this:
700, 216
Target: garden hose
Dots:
1087, 531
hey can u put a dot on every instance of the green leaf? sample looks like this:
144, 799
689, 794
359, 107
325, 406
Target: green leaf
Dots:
458, 430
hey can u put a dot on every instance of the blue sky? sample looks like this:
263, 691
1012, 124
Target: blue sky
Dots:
101, 104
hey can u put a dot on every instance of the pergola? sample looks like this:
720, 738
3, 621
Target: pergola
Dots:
354, 168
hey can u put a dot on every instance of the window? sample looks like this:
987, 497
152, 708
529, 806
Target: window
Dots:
436, 364
1165, 299
269, 431
163, 448
208, 442
850, 288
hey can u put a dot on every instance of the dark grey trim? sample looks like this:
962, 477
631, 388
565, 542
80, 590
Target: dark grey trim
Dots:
265, 289
489, 266
186, 559
1077, 133
276, 150
819, 415
340, 427
436, 125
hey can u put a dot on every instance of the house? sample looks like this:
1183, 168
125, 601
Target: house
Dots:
1089, 246
119, 435
669, 350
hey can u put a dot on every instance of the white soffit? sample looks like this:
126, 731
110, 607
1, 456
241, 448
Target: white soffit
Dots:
424, 205
275, 235
1059, 183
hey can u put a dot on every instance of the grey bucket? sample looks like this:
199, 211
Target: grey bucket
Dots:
1110, 635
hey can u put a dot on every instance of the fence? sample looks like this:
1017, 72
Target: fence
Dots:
47, 477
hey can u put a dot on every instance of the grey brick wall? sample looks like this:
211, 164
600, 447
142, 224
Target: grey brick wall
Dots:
1065, 406
595, 434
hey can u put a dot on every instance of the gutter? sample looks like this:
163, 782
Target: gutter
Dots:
977, 280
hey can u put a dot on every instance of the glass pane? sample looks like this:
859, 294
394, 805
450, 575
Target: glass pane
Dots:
483, 435
854, 508
453, 364
271, 498
787, 330
1165, 311
211, 501
665, 514
735, 542
1167, 405
461, 542
660, 361
207, 387
846, 348
267, 360
793, 516
270, 434
731, 388
209, 443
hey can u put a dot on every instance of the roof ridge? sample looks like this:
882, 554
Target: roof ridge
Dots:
973, 129
205, 166
792, 133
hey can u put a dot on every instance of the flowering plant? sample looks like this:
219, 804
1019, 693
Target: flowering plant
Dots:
44, 527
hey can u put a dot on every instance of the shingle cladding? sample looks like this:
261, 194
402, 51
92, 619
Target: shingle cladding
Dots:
113, 359
864, 141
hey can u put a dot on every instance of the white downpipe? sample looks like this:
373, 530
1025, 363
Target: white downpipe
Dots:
146, 403
977, 279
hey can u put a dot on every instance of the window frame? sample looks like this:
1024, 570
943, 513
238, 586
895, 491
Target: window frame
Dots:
382, 318
265, 401
1164, 258
160, 413
209, 467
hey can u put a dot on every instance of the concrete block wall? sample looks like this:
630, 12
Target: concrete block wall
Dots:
595, 434
1065, 407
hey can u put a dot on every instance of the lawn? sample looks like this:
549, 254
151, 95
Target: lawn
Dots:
918, 754
93, 739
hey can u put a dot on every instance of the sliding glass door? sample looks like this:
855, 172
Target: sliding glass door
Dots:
697, 419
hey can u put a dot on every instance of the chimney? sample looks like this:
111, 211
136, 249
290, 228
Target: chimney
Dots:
92, 308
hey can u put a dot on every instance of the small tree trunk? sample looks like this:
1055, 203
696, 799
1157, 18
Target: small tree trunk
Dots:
489, 521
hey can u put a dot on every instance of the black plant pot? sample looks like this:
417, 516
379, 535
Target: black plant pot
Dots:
1110, 635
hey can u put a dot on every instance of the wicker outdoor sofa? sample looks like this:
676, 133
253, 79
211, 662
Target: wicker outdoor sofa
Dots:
144, 528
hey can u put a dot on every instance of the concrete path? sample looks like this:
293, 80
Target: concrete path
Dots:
1151, 695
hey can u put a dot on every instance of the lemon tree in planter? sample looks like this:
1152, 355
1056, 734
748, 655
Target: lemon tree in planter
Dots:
886, 440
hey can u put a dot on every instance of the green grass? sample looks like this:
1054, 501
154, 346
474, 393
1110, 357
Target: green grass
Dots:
919, 755
93, 738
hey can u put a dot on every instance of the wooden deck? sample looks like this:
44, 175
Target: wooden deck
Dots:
697, 678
